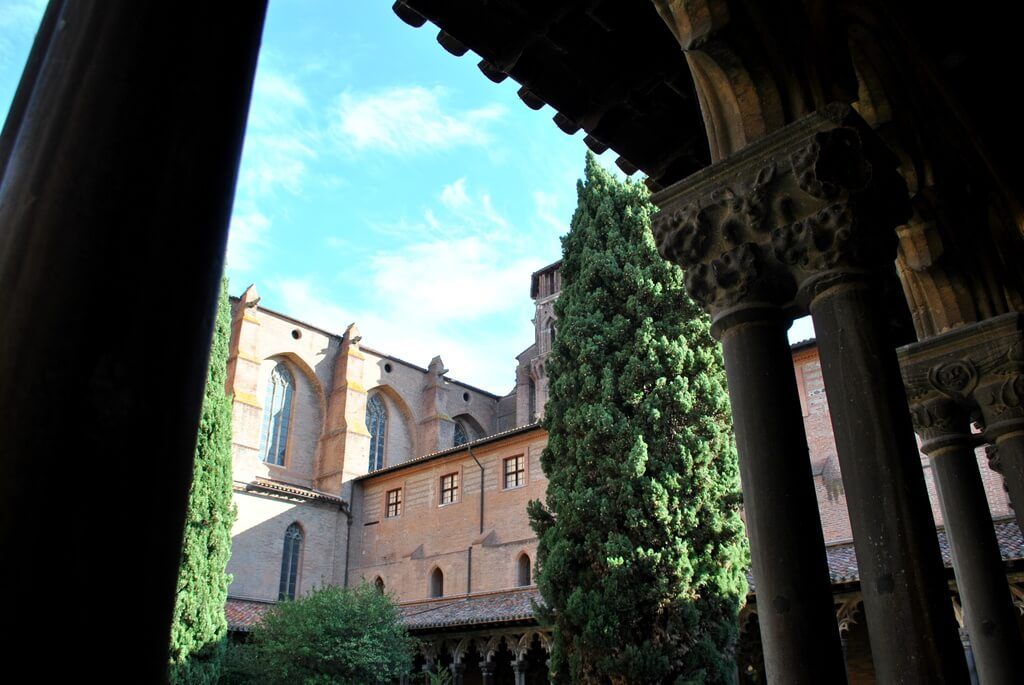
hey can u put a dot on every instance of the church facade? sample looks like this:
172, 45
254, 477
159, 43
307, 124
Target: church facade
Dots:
351, 465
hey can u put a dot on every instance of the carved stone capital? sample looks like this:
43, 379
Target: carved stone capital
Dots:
979, 368
940, 422
817, 198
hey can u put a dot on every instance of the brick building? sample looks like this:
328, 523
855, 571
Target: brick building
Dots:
351, 465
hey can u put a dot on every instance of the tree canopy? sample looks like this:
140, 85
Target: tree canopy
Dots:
343, 636
200, 626
642, 555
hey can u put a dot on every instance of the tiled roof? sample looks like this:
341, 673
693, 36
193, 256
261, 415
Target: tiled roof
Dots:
517, 605
290, 489
492, 607
243, 614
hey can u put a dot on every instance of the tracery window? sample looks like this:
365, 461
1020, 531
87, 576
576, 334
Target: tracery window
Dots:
461, 437
290, 562
377, 424
277, 410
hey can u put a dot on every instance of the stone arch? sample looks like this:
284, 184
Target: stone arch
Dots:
401, 431
523, 569
298, 363
946, 279
473, 428
378, 584
435, 583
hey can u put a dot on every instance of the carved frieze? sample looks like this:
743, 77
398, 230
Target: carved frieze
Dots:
820, 195
976, 371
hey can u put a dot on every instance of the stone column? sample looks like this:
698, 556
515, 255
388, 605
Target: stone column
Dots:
458, 670
114, 204
745, 290
487, 672
941, 378
839, 251
815, 204
997, 351
520, 666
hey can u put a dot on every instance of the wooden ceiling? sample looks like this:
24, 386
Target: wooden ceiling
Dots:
609, 67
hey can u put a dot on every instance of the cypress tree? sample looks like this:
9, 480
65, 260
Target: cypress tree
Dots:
642, 556
199, 630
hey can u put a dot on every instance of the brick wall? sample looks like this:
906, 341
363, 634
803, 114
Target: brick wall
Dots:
404, 550
825, 463
257, 544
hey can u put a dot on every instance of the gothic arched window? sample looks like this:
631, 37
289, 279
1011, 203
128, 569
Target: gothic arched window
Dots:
523, 570
377, 424
379, 585
290, 562
277, 411
437, 583
550, 330
461, 437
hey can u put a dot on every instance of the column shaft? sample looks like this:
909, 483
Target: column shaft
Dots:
910, 623
989, 615
1010, 447
114, 205
487, 672
795, 608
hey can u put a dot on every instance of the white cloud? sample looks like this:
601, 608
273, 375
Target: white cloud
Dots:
453, 195
451, 280
279, 144
486, 359
246, 241
546, 208
302, 300
406, 120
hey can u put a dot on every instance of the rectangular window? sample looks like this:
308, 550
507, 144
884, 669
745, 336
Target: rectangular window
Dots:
449, 488
515, 472
394, 503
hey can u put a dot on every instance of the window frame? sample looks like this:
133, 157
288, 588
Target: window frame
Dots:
505, 473
456, 489
399, 503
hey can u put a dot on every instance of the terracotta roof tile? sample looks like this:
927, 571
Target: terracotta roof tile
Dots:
244, 614
492, 607
517, 605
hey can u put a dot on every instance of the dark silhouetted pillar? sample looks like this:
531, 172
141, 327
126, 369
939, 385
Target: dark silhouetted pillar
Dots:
122, 149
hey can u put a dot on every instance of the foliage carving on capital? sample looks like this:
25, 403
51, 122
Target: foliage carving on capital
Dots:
819, 242
742, 273
956, 378
1002, 399
816, 198
831, 164
938, 417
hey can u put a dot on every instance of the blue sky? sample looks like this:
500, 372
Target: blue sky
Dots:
385, 181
